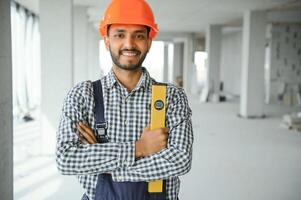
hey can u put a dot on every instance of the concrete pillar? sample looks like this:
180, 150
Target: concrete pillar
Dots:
170, 63
253, 53
6, 119
178, 63
165, 67
188, 63
80, 24
213, 49
93, 67
57, 64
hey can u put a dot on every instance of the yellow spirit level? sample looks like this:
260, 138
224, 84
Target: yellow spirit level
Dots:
158, 109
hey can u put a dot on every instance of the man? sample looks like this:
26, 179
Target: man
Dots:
133, 153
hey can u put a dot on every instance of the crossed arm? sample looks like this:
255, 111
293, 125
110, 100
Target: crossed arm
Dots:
158, 154
150, 142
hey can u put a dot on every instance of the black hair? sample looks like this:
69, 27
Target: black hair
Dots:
108, 29
148, 29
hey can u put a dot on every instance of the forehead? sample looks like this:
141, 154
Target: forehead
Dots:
128, 27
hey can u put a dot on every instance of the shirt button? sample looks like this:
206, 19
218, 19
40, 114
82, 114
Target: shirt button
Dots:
125, 122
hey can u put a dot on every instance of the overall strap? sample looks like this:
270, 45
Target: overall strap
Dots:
106, 188
100, 122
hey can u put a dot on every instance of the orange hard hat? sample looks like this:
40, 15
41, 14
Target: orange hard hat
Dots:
128, 12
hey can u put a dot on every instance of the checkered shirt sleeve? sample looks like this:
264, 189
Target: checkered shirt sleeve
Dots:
75, 158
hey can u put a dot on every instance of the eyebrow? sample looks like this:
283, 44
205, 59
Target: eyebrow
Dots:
137, 31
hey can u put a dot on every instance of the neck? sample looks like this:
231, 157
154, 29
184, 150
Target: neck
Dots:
127, 78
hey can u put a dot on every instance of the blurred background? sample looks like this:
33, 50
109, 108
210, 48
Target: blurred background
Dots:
239, 62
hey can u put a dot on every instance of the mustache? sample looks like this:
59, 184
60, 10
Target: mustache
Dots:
132, 50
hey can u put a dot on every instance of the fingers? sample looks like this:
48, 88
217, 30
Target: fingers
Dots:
84, 135
83, 139
147, 128
161, 131
87, 133
165, 130
86, 128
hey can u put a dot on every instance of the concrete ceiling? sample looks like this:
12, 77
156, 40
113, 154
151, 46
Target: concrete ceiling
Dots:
195, 15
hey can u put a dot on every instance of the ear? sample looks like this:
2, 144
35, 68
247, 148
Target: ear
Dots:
107, 42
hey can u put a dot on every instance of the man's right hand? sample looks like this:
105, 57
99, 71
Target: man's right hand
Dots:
151, 141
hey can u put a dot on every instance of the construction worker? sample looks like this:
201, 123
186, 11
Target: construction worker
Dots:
118, 161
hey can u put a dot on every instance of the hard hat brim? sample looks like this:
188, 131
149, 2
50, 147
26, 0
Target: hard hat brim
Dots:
103, 28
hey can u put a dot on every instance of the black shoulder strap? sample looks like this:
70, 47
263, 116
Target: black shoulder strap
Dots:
100, 121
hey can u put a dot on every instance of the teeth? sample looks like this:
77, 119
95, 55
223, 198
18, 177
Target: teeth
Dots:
127, 53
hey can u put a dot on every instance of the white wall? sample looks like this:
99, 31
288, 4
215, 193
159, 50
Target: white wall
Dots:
285, 57
80, 44
93, 53
56, 64
279, 71
85, 47
231, 62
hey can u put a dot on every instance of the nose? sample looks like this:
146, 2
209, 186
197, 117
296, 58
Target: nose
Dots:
129, 42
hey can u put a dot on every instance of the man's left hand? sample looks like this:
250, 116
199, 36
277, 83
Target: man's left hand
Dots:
86, 133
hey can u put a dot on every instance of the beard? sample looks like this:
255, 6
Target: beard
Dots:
130, 66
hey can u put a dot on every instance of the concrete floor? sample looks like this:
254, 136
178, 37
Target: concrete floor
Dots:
233, 159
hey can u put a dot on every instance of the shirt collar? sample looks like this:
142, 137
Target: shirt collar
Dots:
111, 79
144, 82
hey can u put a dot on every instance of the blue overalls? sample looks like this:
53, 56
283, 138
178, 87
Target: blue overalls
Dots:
106, 188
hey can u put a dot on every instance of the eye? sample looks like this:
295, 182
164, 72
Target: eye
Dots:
140, 36
119, 35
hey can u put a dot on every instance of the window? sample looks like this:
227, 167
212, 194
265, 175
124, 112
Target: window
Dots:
26, 62
200, 58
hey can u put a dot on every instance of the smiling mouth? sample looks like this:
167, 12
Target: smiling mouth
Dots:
130, 53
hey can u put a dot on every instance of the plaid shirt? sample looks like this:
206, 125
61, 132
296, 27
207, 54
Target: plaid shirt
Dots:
127, 113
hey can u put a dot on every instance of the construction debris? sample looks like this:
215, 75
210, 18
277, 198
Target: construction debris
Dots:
292, 121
